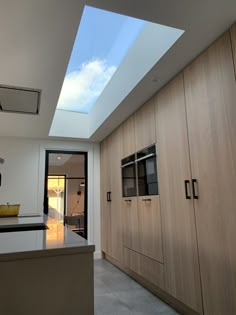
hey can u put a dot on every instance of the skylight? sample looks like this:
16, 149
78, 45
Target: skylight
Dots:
102, 41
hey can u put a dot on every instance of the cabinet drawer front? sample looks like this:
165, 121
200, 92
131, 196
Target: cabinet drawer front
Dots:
147, 268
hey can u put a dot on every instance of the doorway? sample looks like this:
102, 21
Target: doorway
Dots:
65, 190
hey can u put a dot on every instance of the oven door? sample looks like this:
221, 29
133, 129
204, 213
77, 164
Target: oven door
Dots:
147, 172
129, 186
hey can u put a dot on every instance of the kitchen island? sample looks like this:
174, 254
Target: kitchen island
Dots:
44, 268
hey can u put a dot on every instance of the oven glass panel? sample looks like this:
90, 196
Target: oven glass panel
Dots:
129, 177
147, 172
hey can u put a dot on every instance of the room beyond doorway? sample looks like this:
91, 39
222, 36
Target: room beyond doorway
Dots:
65, 191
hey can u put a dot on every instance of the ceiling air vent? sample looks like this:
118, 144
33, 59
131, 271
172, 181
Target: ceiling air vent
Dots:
19, 100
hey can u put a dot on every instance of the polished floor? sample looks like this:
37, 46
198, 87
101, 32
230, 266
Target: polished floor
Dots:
118, 294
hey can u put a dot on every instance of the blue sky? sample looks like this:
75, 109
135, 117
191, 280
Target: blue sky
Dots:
102, 41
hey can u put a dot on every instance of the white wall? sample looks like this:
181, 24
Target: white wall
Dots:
24, 170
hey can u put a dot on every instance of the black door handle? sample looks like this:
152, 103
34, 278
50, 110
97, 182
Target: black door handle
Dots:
108, 196
195, 190
186, 184
0, 180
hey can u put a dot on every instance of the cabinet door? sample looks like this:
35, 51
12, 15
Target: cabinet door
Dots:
131, 223
115, 154
145, 129
150, 227
128, 135
105, 205
211, 112
182, 278
233, 40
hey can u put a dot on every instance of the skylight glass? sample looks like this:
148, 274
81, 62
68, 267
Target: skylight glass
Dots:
102, 41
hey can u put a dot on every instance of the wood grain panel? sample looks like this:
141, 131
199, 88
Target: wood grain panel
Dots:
128, 135
152, 271
182, 278
211, 111
233, 41
132, 260
149, 269
150, 227
115, 154
131, 223
105, 206
145, 129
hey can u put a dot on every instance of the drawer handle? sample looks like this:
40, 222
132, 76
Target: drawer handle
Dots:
147, 199
128, 200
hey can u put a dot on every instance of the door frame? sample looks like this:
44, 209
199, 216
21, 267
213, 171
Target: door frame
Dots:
45, 203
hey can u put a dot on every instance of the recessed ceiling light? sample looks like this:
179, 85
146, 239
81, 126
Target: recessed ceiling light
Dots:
58, 157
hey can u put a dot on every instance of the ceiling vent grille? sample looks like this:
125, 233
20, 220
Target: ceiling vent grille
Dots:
19, 100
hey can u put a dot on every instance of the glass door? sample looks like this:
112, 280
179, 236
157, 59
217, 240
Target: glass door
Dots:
65, 197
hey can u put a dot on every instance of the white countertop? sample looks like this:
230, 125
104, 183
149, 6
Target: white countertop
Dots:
56, 240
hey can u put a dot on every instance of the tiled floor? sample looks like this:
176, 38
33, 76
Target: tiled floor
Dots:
118, 294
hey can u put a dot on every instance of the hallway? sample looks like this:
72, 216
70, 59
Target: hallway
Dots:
118, 294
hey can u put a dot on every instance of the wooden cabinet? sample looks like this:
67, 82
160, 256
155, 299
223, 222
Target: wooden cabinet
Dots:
116, 195
128, 135
183, 240
130, 224
182, 279
111, 223
145, 128
150, 227
211, 113
233, 41
142, 226
105, 206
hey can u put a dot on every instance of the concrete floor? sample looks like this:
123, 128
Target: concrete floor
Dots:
118, 294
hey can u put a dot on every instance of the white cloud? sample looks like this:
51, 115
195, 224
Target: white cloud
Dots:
82, 87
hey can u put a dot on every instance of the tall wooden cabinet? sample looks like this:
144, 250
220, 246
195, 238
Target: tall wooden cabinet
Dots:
182, 279
211, 113
105, 188
112, 228
182, 241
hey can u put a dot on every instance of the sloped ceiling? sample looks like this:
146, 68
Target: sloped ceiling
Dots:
36, 39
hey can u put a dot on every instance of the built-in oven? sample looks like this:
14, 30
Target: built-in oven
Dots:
128, 169
147, 172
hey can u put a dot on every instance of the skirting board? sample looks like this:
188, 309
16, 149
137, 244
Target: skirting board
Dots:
97, 255
177, 305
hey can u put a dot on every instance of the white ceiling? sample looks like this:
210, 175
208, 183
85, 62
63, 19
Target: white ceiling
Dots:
37, 37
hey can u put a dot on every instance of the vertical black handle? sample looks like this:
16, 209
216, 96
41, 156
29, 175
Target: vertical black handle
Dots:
0, 179
108, 196
195, 192
186, 184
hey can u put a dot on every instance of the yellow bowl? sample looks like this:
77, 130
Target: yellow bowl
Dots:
9, 210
